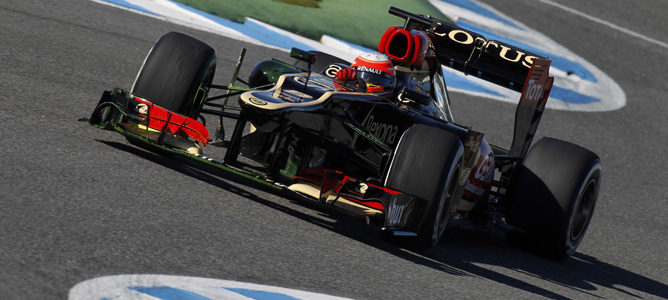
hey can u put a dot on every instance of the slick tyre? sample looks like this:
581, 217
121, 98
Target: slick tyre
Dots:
427, 163
554, 198
177, 74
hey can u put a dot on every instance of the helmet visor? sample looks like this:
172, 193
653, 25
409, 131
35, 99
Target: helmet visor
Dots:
376, 83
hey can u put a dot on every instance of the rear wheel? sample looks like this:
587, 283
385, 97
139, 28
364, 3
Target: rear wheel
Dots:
427, 164
177, 74
554, 197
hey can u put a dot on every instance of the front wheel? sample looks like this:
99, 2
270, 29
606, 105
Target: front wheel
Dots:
554, 198
177, 74
427, 163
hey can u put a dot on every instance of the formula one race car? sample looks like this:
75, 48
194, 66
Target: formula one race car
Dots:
397, 159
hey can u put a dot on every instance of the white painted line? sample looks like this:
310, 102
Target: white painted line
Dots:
170, 287
606, 23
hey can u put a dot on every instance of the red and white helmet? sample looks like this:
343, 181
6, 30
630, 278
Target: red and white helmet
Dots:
376, 70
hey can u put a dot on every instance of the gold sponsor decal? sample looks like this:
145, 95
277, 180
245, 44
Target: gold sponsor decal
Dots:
456, 36
257, 101
332, 70
465, 38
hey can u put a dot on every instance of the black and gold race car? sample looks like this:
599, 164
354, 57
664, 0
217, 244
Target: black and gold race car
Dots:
397, 159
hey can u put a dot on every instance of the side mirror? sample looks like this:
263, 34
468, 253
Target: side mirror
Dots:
307, 57
302, 55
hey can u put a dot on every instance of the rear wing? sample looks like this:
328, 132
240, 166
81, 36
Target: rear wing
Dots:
472, 53
494, 61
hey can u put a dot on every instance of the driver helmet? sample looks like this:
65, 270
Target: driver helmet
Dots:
376, 70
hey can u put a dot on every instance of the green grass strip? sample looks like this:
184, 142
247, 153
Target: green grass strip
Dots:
357, 21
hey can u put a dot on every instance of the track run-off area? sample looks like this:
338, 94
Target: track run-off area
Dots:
84, 213
579, 85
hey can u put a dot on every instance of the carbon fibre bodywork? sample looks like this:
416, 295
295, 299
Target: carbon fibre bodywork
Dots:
363, 125
311, 137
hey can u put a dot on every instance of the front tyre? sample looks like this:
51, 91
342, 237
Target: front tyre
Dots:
554, 198
427, 163
177, 74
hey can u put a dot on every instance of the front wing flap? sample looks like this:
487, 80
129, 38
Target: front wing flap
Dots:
395, 212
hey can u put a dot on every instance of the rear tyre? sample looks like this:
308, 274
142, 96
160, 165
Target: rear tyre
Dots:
177, 74
427, 164
554, 198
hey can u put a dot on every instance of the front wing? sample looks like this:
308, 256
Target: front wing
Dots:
393, 211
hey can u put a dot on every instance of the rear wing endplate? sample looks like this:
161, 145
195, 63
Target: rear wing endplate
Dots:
534, 96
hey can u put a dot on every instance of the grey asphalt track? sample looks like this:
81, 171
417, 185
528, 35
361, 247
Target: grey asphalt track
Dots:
78, 203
